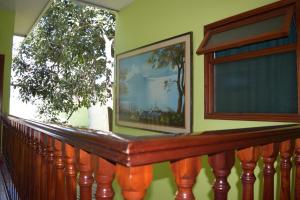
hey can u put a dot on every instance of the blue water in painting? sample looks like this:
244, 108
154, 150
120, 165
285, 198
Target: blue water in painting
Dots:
145, 85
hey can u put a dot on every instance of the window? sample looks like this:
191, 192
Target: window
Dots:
252, 65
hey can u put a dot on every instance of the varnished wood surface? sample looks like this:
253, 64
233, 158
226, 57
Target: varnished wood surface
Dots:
241, 20
185, 172
86, 179
136, 151
59, 171
69, 150
134, 181
285, 149
248, 157
297, 166
105, 173
221, 164
249, 17
70, 172
269, 155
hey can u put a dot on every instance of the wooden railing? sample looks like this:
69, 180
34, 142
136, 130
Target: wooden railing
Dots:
48, 162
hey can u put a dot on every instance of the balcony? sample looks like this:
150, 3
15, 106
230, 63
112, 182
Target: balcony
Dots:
42, 161
51, 162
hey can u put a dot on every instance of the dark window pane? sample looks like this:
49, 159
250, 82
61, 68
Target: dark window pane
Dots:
247, 31
265, 84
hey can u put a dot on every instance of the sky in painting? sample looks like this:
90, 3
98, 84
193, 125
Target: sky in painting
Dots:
145, 85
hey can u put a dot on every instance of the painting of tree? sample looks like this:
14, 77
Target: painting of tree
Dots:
174, 56
153, 86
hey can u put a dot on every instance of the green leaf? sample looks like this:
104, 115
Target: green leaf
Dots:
63, 62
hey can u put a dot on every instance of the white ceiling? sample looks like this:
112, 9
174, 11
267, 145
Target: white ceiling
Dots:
110, 4
28, 12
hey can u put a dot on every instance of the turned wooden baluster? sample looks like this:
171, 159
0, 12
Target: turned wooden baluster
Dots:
285, 149
18, 152
186, 172
24, 164
50, 169
297, 174
269, 154
248, 158
36, 170
44, 167
105, 172
12, 163
38, 166
134, 181
86, 179
32, 164
20, 162
27, 163
59, 171
17, 160
70, 172
221, 164
10, 146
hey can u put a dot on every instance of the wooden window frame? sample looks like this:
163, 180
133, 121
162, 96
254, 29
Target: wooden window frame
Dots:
210, 61
287, 12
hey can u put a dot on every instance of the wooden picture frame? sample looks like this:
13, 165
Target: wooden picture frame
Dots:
153, 86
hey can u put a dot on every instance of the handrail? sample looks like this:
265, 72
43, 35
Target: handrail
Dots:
140, 150
54, 155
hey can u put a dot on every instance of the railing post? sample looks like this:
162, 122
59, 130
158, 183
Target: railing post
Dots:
27, 163
24, 163
269, 154
286, 149
17, 153
70, 172
44, 154
186, 172
59, 171
86, 179
50, 169
221, 164
248, 158
297, 174
134, 181
105, 172
32, 164
37, 166
39, 163
20, 162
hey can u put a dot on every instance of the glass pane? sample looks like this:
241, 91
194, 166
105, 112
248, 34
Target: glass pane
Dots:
266, 84
247, 31
290, 39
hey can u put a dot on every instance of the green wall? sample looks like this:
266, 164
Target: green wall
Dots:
148, 21
6, 41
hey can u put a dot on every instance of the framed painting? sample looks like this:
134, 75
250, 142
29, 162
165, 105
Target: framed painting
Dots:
153, 89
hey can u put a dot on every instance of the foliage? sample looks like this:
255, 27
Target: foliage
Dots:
172, 56
61, 65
